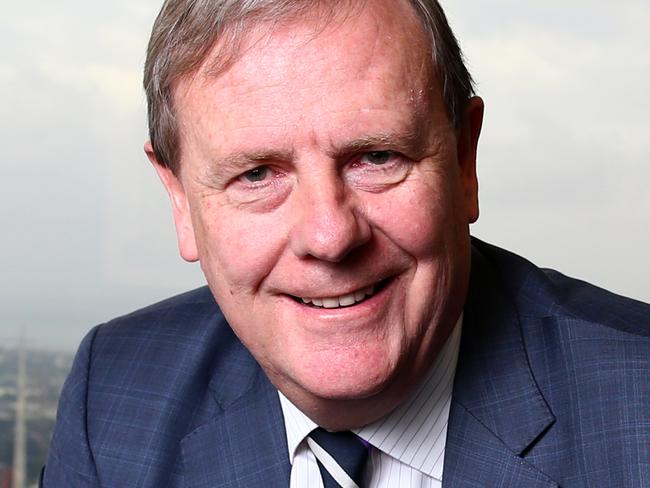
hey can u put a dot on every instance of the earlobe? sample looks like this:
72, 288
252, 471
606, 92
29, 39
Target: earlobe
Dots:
180, 207
467, 149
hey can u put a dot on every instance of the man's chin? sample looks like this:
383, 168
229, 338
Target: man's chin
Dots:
349, 392
356, 388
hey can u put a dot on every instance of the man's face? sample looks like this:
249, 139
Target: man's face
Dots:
328, 197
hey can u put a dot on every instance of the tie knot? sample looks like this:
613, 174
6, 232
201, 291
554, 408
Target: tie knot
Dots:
348, 451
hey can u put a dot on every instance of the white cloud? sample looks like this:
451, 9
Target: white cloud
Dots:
118, 87
8, 73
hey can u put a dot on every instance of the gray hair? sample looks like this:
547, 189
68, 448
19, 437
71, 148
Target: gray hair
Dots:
185, 32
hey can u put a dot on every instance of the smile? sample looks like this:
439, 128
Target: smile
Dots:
342, 301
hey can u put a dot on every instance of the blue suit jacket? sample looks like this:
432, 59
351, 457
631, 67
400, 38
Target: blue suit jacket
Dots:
552, 389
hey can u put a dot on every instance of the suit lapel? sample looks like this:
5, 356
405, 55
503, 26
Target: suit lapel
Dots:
497, 411
244, 445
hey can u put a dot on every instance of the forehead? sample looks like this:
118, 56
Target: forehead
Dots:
317, 16
286, 72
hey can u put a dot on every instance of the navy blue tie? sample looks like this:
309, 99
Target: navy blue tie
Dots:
348, 450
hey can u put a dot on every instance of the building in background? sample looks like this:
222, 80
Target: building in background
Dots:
20, 421
30, 384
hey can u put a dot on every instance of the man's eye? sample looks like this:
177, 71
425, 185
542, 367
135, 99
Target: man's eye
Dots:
377, 157
257, 174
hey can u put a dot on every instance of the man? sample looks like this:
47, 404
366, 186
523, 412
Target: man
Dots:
320, 160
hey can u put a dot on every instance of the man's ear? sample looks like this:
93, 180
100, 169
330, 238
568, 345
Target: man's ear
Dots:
468, 136
180, 207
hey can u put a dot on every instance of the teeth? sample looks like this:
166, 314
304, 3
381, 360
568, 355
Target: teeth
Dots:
347, 300
342, 301
330, 302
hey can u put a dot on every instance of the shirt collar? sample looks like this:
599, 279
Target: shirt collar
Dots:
423, 417
297, 425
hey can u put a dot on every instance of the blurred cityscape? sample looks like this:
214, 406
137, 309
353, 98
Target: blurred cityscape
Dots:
30, 383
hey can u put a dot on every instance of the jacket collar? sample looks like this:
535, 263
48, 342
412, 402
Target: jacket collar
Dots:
498, 412
243, 444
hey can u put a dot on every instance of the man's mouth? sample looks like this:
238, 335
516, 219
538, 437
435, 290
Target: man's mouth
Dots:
343, 301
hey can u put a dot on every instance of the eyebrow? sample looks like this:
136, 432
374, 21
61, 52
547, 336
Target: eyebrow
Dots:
237, 162
408, 139
403, 140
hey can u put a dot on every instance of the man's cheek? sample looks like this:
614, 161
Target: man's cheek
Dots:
416, 229
244, 249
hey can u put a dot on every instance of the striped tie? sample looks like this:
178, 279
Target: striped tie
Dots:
341, 457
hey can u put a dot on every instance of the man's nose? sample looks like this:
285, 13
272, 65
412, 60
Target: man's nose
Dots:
330, 223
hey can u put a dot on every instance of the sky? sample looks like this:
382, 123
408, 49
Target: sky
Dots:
88, 235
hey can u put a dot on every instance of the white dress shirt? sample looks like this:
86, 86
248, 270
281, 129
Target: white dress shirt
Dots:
408, 445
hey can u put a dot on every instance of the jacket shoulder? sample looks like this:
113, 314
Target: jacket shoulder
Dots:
139, 384
591, 303
540, 292
197, 304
